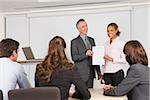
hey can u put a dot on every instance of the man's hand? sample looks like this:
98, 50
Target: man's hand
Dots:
89, 53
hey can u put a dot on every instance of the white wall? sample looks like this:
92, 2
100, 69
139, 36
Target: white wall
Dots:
140, 25
2, 26
149, 34
44, 28
34, 29
140, 21
17, 28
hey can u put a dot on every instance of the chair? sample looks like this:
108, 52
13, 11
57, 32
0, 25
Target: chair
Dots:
38, 93
1, 95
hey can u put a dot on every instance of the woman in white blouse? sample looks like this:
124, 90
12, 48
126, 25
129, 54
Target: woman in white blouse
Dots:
114, 56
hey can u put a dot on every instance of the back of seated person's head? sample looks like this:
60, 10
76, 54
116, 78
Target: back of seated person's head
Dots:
8, 46
56, 58
135, 53
58, 41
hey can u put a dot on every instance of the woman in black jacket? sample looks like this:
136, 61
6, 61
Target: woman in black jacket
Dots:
57, 71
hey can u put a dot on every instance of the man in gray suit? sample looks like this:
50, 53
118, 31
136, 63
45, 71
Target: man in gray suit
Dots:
81, 52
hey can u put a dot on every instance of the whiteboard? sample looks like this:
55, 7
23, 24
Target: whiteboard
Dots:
42, 29
17, 28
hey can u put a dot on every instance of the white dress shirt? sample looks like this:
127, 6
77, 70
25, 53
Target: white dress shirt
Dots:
114, 50
11, 74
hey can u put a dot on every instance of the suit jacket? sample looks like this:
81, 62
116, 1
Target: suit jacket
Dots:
135, 85
83, 62
63, 78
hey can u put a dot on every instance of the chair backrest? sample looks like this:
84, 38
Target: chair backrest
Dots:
1, 95
38, 93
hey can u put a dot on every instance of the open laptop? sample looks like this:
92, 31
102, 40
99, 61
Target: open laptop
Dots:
29, 54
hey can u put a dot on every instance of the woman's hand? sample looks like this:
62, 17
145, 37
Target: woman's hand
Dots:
106, 87
108, 58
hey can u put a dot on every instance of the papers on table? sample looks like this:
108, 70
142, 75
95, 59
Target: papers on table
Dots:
98, 54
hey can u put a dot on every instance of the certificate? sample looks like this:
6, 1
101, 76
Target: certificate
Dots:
98, 55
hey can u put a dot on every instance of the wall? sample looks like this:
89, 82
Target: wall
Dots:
149, 34
36, 29
17, 28
139, 21
46, 27
2, 26
140, 26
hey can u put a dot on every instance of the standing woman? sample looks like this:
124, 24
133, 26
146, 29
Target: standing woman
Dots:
57, 71
136, 84
114, 56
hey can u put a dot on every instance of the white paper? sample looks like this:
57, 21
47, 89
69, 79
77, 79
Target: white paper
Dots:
98, 55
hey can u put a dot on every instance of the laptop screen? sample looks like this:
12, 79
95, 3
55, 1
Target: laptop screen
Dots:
28, 53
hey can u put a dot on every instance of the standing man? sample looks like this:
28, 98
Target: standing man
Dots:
81, 52
11, 73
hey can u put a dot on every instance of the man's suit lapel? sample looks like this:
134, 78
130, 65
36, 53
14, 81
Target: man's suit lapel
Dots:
90, 40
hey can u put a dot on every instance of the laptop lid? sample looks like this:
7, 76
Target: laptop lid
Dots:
28, 53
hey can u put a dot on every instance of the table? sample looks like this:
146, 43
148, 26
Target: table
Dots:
97, 94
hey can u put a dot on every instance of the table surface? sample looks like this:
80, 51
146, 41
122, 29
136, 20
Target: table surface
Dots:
97, 94
30, 61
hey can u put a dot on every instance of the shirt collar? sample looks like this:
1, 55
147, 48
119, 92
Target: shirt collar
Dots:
116, 39
83, 37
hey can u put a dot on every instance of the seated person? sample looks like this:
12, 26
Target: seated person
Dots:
11, 73
136, 84
57, 71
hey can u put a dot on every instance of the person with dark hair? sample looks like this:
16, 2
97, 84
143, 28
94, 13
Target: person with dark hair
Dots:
114, 56
136, 84
56, 70
11, 73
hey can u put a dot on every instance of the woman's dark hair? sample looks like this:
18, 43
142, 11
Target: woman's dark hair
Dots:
135, 53
7, 46
56, 58
115, 26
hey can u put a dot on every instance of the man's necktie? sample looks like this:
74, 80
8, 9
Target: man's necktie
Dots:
87, 43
